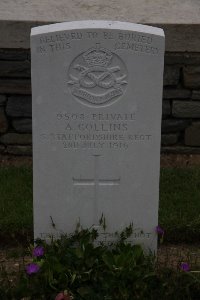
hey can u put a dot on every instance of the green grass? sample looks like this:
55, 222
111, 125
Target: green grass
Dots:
16, 214
179, 212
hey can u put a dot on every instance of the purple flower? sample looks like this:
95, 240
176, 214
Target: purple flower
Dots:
38, 251
185, 267
32, 268
159, 230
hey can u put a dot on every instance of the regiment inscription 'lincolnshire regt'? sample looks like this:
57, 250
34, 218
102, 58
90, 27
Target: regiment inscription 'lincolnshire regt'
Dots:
97, 89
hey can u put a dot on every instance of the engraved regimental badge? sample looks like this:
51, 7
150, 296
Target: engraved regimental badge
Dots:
97, 77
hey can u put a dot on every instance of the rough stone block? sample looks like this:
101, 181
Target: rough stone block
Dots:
15, 69
169, 139
14, 54
15, 86
2, 100
173, 125
180, 150
192, 135
171, 75
186, 109
19, 106
196, 95
176, 93
3, 121
19, 150
166, 108
12, 138
22, 125
2, 149
182, 58
191, 77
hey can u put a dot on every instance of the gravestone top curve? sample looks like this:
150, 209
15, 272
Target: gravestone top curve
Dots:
94, 24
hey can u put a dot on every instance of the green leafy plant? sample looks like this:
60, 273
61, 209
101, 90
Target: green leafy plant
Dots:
80, 267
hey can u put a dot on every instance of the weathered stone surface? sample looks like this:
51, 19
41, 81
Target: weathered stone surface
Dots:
77, 154
192, 135
2, 99
166, 108
173, 125
176, 93
14, 54
15, 86
154, 12
3, 121
171, 75
186, 109
2, 149
180, 20
15, 69
180, 150
191, 76
19, 106
185, 58
169, 139
22, 125
12, 138
196, 95
181, 37
19, 150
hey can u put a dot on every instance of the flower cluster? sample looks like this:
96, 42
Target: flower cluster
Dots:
185, 267
159, 230
34, 268
64, 269
38, 251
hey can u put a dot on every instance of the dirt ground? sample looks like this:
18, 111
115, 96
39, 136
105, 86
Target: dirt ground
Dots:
180, 160
173, 255
167, 160
15, 161
168, 256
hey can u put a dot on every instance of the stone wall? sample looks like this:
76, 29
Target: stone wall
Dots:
181, 103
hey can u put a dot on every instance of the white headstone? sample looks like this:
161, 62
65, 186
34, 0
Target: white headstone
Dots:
97, 97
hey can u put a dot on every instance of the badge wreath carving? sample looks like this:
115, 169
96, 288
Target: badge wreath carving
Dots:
97, 77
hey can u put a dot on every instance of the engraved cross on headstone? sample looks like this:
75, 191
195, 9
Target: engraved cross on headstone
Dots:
96, 182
